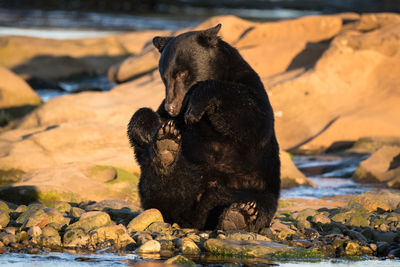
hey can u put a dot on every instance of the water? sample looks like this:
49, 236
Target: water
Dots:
331, 175
70, 260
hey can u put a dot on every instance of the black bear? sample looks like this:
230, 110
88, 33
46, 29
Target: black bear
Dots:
209, 157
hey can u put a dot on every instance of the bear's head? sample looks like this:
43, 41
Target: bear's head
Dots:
185, 60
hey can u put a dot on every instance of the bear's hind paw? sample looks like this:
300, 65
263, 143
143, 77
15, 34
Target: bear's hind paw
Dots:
239, 216
167, 143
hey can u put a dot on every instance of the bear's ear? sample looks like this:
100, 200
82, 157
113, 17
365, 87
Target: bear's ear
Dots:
209, 37
159, 42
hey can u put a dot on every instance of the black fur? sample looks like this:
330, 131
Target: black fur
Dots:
225, 157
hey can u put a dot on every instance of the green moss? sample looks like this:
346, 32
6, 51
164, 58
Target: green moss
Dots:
283, 203
10, 176
53, 195
125, 176
298, 254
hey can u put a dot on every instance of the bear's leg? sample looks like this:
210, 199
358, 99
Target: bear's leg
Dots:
166, 145
142, 127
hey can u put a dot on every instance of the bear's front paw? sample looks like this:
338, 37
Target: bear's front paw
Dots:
193, 114
167, 143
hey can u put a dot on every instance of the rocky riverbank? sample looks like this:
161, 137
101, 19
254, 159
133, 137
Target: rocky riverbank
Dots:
366, 226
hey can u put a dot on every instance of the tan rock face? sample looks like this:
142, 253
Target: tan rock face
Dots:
15, 92
58, 59
382, 167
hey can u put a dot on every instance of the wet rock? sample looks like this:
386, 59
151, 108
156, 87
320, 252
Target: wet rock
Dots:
377, 199
62, 206
151, 246
22, 236
187, 246
160, 227
4, 218
353, 249
76, 237
281, 230
382, 248
21, 208
310, 233
76, 212
195, 238
388, 237
91, 220
380, 166
367, 251
144, 219
116, 234
180, 260
166, 245
243, 248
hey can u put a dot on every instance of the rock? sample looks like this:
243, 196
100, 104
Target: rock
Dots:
15, 92
151, 246
380, 167
116, 234
55, 216
320, 218
76, 212
4, 218
7, 238
388, 237
180, 260
290, 175
35, 218
304, 214
301, 243
34, 231
62, 206
243, 248
353, 249
187, 246
240, 235
144, 219
57, 59
377, 198
4, 206
76, 237
142, 237
91, 220
113, 204
369, 145
49, 238
160, 227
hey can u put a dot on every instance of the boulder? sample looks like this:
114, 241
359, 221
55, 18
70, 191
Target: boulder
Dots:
383, 166
91, 220
116, 234
290, 175
383, 199
144, 219
15, 92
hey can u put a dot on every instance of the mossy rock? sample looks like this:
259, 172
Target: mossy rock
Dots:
4, 206
144, 219
298, 254
180, 260
91, 220
76, 237
62, 206
4, 218
10, 176
243, 248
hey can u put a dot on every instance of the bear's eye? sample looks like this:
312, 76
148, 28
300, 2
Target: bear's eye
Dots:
181, 75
